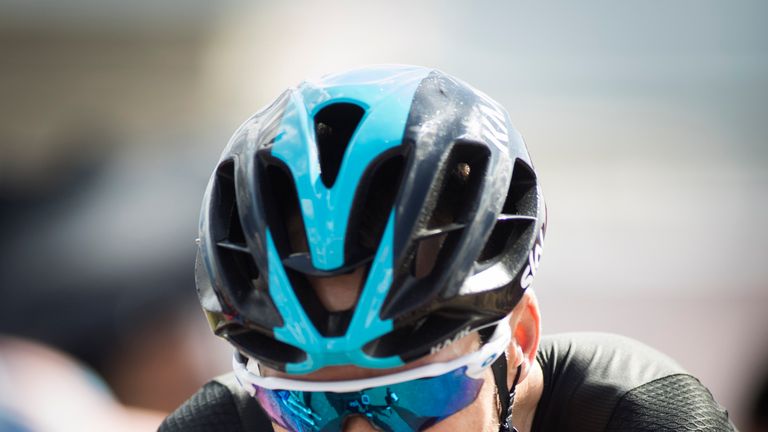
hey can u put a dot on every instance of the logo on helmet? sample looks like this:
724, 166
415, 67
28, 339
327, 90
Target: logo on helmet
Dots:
534, 256
493, 121
494, 125
445, 343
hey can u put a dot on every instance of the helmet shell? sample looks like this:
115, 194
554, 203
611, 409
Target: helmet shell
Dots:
404, 172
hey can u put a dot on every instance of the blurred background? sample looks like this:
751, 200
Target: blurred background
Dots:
647, 122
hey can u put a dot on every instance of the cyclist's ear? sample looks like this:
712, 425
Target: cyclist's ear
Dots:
526, 334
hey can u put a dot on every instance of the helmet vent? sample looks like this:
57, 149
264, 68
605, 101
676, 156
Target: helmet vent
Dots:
238, 267
227, 228
329, 323
433, 248
457, 198
373, 203
504, 231
334, 126
518, 214
284, 217
462, 176
414, 340
427, 252
522, 197
267, 349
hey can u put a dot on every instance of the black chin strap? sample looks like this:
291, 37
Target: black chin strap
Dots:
506, 395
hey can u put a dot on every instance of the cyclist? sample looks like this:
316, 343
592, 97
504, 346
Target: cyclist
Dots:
367, 245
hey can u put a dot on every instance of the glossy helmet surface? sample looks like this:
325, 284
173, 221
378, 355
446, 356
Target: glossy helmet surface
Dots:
404, 171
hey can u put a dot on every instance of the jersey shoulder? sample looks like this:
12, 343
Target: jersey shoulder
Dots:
673, 403
600, 381
219, 406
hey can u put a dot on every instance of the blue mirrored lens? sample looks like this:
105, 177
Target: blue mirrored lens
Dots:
408, 406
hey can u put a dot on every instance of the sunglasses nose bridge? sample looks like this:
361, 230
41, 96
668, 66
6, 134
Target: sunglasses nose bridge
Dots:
359, 423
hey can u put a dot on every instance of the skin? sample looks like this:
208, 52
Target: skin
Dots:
340, 293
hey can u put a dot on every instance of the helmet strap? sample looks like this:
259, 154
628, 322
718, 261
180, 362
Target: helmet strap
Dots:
506, 395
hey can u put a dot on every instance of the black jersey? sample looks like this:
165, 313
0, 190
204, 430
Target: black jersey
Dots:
602, 382
592, 382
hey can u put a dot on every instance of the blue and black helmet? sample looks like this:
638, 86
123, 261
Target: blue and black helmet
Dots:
403, 171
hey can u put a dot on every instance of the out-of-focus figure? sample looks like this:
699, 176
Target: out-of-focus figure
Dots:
42, 389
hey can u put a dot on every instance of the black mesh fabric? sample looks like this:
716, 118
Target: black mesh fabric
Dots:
212, 408
219, 406
671, 404
596, 382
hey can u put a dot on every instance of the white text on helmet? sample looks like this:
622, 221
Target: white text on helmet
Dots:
534, 256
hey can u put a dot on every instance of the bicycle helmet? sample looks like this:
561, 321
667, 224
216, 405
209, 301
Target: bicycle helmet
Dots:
406, 172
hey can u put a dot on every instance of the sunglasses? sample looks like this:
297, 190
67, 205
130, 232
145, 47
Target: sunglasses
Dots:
411, 400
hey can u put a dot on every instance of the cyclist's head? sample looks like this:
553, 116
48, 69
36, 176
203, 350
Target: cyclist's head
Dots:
369, 219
